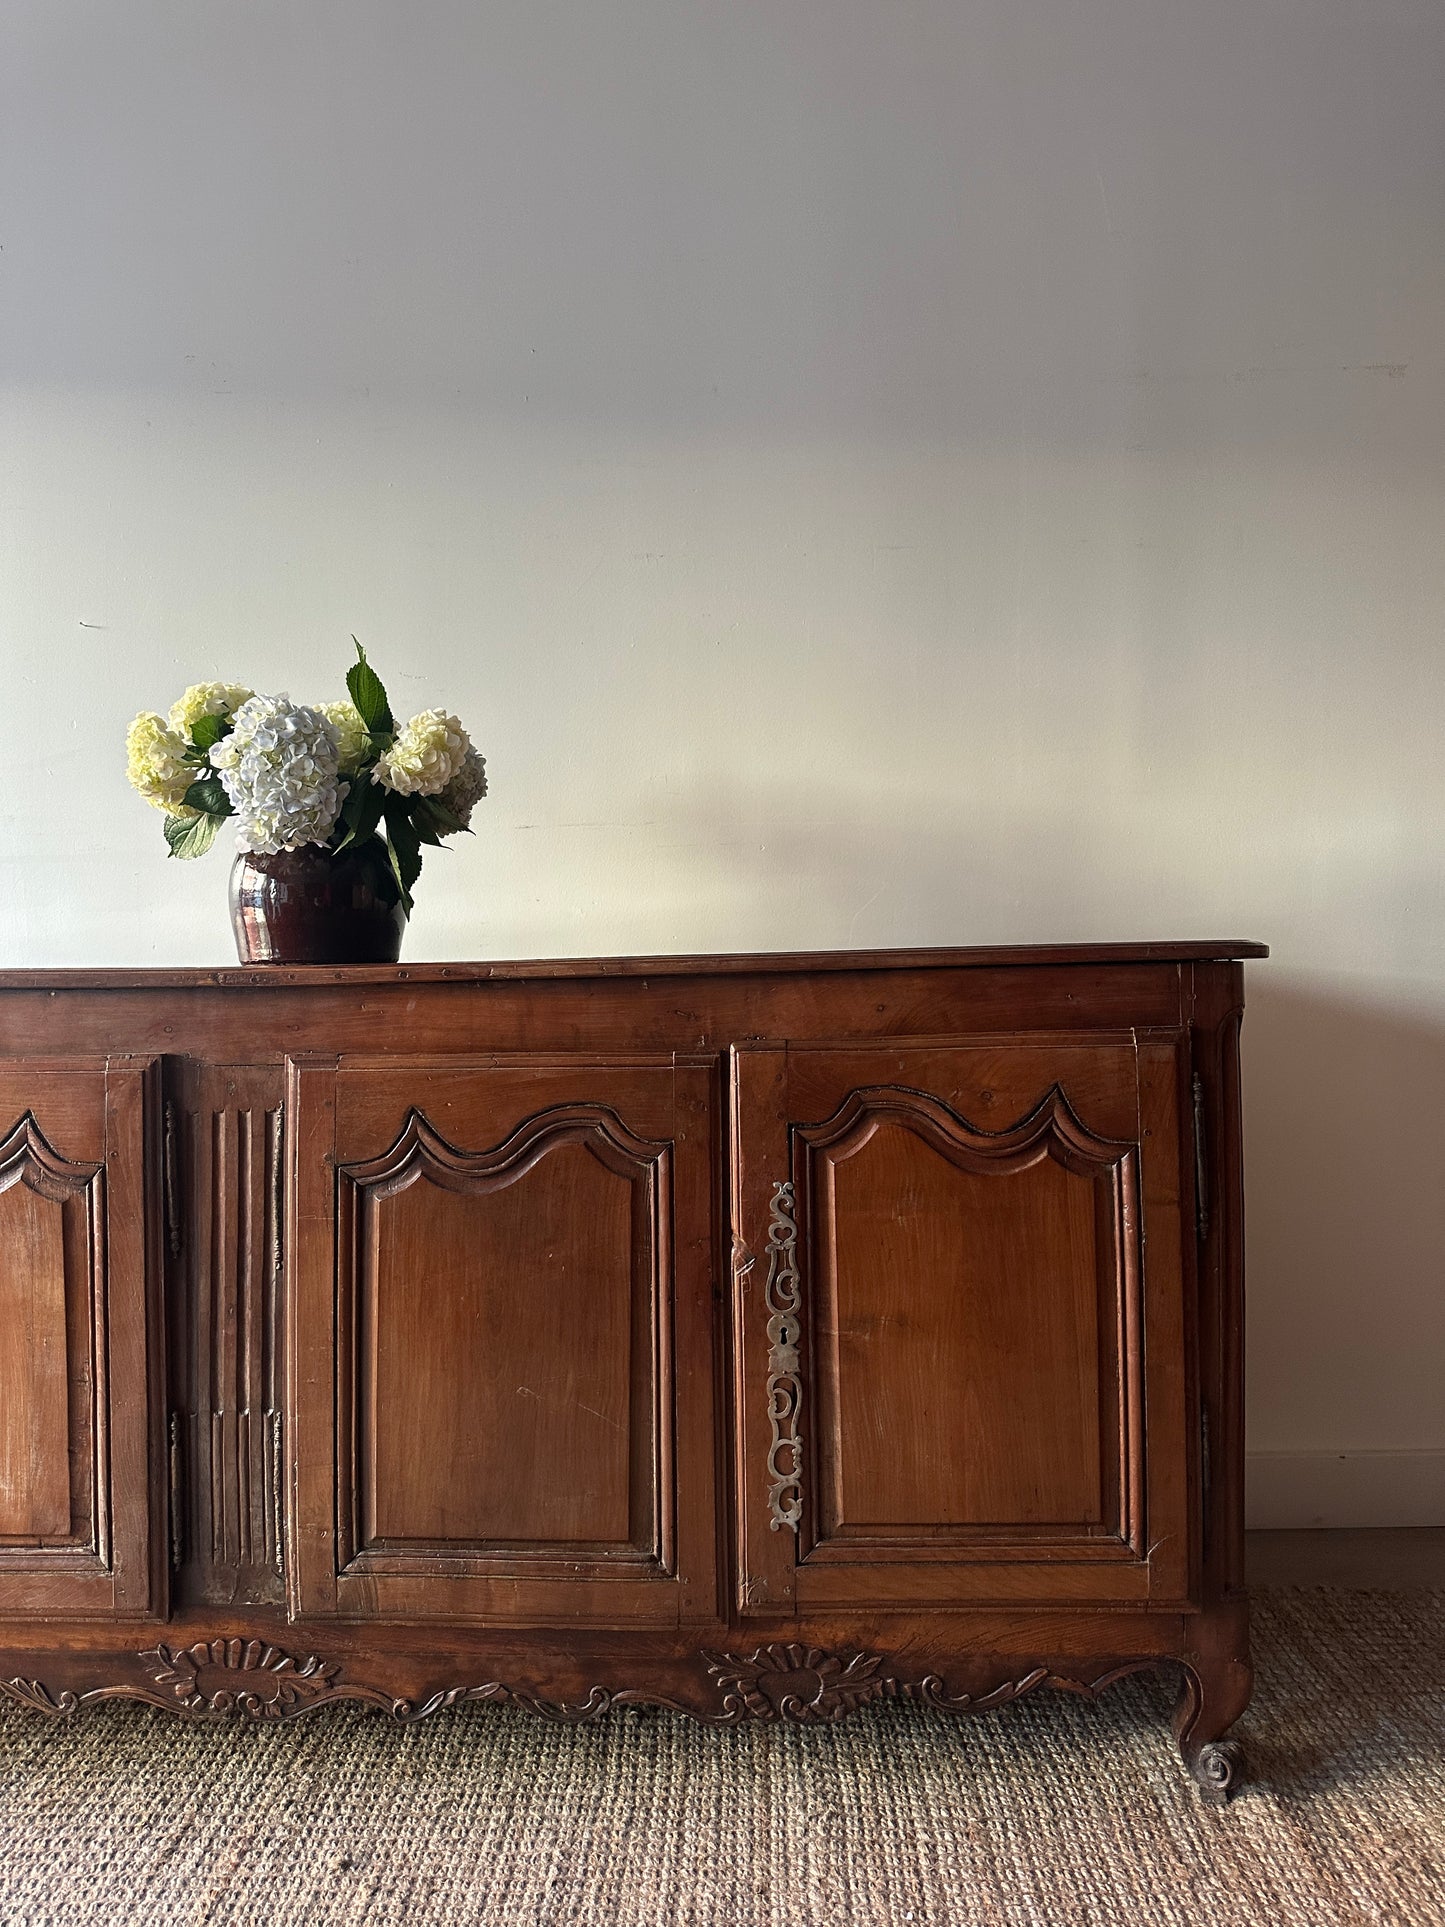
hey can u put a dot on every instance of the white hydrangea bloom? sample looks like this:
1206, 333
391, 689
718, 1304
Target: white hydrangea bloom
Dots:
425, 756
280, 768
153, 764
206, 699
353, 736
467, 787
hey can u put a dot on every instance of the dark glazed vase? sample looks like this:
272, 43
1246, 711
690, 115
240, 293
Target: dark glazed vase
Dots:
310, 906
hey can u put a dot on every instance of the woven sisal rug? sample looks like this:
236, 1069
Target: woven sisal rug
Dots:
1049, 1812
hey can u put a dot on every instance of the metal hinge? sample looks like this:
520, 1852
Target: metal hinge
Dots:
278, 1198
1201, 1163
274, 1453
178, 1496
171, 1179
275, 1434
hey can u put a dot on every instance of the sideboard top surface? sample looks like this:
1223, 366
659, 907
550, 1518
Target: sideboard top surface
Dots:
759, 963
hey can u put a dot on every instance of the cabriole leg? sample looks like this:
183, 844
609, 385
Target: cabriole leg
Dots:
1212, 1695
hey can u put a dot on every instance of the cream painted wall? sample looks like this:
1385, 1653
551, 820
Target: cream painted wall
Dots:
870, 473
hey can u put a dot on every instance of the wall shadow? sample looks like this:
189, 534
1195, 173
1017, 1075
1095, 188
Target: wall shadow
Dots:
1343, 1081
1345, 1214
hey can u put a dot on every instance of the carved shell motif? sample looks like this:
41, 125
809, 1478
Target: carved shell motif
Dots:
249, 1678
224, 1676
797, 1682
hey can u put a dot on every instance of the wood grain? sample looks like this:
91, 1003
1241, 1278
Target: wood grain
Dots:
507, 1293
224, 1127
803, 962
34, 1363
79, 1406
979, 1339
515, 1310
750, 1334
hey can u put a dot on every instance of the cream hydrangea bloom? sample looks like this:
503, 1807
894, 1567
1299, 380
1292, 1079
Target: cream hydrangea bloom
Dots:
206, 699
279, 766
425, 756
467, 788
354, 739
154, 765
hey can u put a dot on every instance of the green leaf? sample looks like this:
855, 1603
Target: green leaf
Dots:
403, 845
208, 793
368, 695
401, 833
361, 812
408, 902
432, 811
209, 730
191, 835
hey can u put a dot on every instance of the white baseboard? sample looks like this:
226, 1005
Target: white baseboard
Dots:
1284, 1489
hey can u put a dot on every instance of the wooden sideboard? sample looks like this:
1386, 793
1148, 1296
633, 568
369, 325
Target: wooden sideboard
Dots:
757, 1336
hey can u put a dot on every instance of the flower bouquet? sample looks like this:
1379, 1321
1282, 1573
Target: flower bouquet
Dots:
333, 805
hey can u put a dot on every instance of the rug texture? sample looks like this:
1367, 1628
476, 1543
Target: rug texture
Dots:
1048, 1812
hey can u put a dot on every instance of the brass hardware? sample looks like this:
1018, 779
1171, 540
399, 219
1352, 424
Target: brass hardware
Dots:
1206, 1473
783, 1297
172, 1181
178, 1510
276, 1526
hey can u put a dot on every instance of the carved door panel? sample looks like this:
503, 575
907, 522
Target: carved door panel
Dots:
79, 1383
516, 1254
960, 1287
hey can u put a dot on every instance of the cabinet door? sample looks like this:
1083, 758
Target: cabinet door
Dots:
80, 1341
960, 1306
516, 1257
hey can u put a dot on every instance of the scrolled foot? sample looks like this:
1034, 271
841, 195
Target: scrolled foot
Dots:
1218, 1770
1213, 1693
